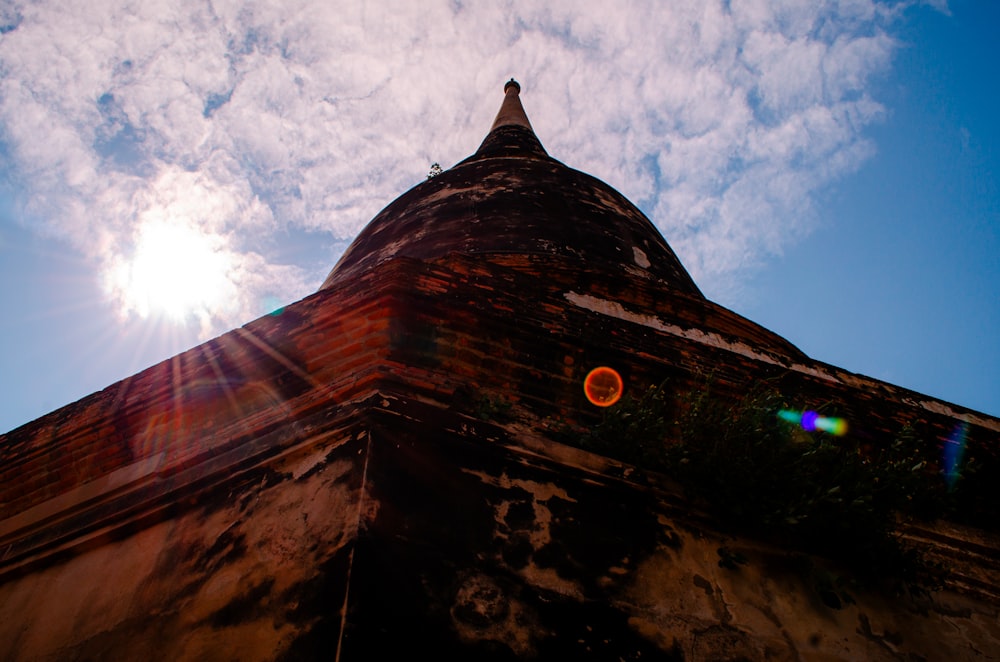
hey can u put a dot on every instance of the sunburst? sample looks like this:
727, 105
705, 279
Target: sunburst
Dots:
176, 271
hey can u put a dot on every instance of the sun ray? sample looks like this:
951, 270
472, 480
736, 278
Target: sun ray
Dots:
223, 380
281, 358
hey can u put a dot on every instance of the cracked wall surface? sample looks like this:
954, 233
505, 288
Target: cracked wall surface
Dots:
384, 469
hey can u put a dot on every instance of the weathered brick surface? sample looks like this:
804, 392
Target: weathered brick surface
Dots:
198, 402
246, 484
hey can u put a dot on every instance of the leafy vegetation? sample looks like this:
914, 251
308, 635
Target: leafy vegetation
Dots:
762, 477
494, 409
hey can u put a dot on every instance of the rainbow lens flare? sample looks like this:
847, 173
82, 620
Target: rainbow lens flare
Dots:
810, 421
603, 386
951, 455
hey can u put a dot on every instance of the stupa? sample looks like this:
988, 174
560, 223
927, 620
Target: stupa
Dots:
386, 468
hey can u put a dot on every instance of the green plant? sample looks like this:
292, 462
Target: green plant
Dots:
634, 430
763, 477
488, 408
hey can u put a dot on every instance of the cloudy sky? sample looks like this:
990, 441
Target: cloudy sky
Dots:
170, 170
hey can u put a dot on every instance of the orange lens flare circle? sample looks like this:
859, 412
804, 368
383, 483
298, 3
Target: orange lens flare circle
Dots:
603, 386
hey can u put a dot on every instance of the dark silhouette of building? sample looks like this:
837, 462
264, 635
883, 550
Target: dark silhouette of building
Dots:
395, 465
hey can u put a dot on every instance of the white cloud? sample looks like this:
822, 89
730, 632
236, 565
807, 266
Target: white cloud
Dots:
243, 119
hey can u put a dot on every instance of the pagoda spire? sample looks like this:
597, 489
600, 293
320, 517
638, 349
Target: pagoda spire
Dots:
511, 133
511, 111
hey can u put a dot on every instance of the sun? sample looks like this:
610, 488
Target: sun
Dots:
176, 271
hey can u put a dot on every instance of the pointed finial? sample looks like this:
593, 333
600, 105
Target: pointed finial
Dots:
511, 111
511, 132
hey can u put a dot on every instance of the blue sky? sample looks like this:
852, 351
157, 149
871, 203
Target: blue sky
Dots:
901, 281
829, 170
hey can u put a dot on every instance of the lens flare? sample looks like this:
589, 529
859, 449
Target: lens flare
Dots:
952, 453
603, 386
810, 421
